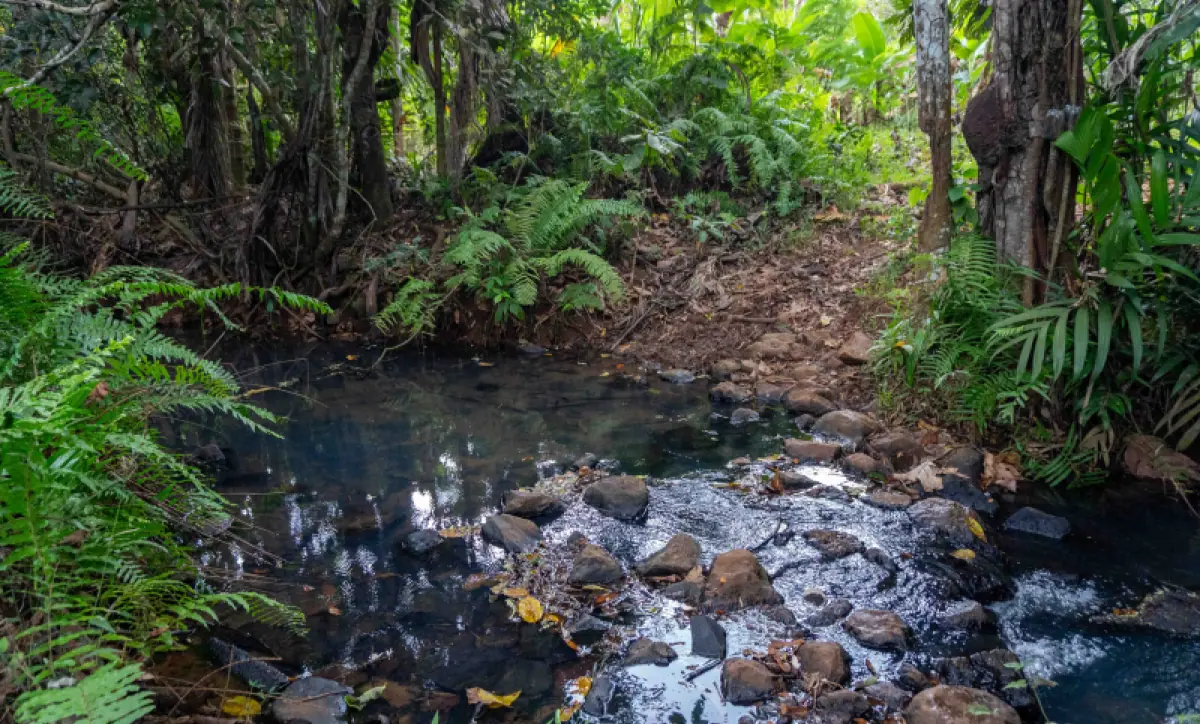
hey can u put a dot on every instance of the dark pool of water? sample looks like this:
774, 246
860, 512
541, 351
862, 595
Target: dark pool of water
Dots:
433, 442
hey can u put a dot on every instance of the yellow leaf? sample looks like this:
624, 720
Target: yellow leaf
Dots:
964, 554
242, 707
515, 592
492, 701
530, 609
487, 364
456, 531
977, 529
351, 357
583, 685
567, 712
335, 611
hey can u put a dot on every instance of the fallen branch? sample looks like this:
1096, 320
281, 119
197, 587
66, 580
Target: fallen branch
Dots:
693, 675
77, 174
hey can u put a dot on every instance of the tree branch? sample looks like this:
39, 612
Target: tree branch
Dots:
243, 63
92, 8
68, 52
77, 174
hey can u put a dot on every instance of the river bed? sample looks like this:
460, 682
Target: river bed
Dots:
434, 442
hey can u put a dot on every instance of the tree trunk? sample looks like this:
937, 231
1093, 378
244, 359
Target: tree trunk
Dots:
398, 101
258, 138
931, 23
1027, 195
206, 140
233, 127
368, 168
462, 109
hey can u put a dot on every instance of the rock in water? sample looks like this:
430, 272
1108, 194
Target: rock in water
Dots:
864, 464
623, 497
599, 698
848, 425
244, 666
841, 706
313, 700
833, 544
969, 616
677, 558
744, 682
736, 581
856, 350
677, 377
890, 694
946, 517
825, 658
594, 566
515, 535
729, 393
899, 448
723, 369
1034, 522
888, 499
420, 542
532, 504
878, 629
829, 492
647, 651
708, 637
1173, 612
1150, 458
830, 613
807, 451
807, 402
769, 393
743, 416
957, 705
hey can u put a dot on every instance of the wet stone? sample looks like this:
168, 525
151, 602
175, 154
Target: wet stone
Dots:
833, 544
677, 377
847, 425
891, 695
645, 651
770, 393
780, 614
245, 666
594, 566
743, 416
1032, 521
829, 492
899, 448
515, 535
745, 682
958, 704
531, 677
829, 614
879, 557
945, 517
988, 671
960, 491
690, 592
588, 629
1169, 611
807, 402
729, 393
795, 480
814, 595
624, 497
708, 637
679, 556
912, 678
888, 499
531, 504
967, 461
841, 707
863, 464
722, 370
807, 451
314, 700
804, 422
736, 581
878, 629
599, 698
420, 542
969, 616
825, 659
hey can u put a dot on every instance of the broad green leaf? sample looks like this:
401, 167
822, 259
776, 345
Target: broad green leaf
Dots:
1104, 329
1026, 350
1060, 342
1134, 320
1073, 146
1181, 238
1133, 193
1042, 312
1106, 186
1039, 351
1082, 332
1160, 198
869, 35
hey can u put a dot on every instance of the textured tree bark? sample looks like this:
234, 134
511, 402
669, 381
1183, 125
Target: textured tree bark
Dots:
462, 109
931, 23
368, 169
233, 127
1010, 126
398, 101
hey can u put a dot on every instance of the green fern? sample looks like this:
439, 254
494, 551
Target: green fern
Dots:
17, 200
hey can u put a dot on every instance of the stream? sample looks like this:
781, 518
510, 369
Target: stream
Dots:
431, 442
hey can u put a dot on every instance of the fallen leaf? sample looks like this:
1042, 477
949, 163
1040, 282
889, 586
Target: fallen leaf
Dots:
335, 611
927, 474
351, 357
476, 695
242, 707
98, 393
487, 364
977, 529
964, 554
604, 598
1124, 612
515, 592
826, 320
530, 609
583, 685
479, 580
456, 531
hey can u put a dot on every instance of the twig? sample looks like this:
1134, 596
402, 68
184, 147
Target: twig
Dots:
692, 676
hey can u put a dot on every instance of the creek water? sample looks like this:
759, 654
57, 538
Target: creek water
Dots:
430, 442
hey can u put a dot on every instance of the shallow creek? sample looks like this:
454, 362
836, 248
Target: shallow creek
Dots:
434, 442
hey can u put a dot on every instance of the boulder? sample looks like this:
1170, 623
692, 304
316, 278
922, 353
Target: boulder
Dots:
729, 393
313, 700
724, 369
833, 544
594, 566
708, 637
736, 581
774, 345
856, 350
770, 393
863, 464
1032, 521
623, 497
891, 695
807, 451
679, 556
1170, 611
689, 592
420, 542
899, 448
888, 499
513, 534
958, 704
804, 372
990, 671
743, 416
956, 488
779, 614
912, 678
599, 698
969, 616
967, 461
532, 504
795, 480
826, 659
745, 682
850, 426
807, 402
879, 557
829, 614
677, 377
841, 707
1150, 458
878, 629
804, 423
645, 651
947, 518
